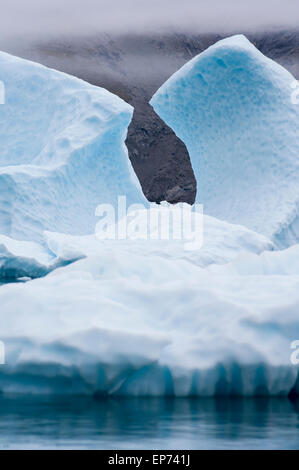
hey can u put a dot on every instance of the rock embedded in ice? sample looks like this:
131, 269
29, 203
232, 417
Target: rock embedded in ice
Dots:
62, 151
232, 107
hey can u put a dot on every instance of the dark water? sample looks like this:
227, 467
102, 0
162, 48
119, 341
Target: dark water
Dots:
83, 423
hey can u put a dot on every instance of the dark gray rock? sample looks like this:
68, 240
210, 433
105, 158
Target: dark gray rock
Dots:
160, 159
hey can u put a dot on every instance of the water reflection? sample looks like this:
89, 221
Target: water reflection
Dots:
125, 423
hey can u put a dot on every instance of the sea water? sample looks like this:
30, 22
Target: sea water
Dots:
148, 423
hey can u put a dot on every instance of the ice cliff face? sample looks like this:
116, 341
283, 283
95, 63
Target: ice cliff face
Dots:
62, 151
232, 107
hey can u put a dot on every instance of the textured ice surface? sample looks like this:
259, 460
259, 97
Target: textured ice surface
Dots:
130, 321
221, 242
232, 107
62, 151
23, 259
150, 318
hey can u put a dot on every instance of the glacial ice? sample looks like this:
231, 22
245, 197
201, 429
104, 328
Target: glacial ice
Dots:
62, 151
147, 316
221, 243
23, 259
232, 107
146, 322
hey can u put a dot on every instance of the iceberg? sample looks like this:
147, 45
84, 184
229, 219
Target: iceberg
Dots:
62, 151
145, 316
126, 321
149, 318
233, 108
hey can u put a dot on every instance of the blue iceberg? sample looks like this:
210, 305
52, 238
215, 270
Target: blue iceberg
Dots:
62, 151
232, 107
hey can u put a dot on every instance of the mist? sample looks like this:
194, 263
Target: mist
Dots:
21, 20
